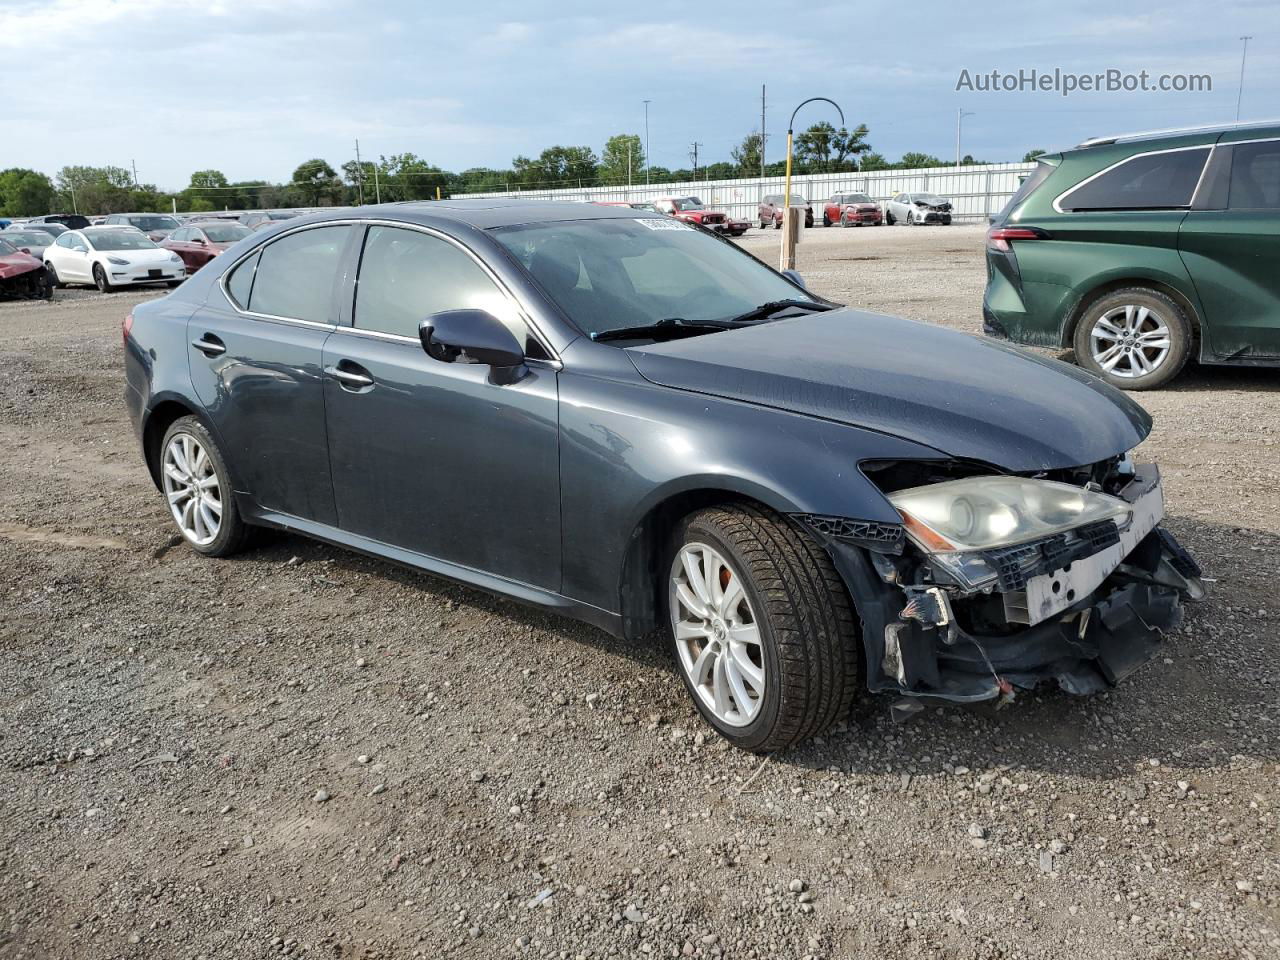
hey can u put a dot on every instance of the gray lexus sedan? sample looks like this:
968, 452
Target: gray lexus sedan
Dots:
625, 418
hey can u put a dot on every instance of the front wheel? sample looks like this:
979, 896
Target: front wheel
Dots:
764, 632
911, 218
100, 279
52, 273
1137, 338
888, 218
195, 481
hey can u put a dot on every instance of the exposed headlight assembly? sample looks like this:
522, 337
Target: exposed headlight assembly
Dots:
957, 520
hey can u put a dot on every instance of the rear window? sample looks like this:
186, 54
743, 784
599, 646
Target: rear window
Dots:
1157, 181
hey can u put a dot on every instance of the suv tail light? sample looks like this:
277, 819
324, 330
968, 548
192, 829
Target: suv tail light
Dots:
998, 237
126, 325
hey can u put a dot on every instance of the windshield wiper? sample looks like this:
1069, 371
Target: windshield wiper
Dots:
668, 328
773, 306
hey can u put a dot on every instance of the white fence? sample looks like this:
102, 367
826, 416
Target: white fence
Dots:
976, 192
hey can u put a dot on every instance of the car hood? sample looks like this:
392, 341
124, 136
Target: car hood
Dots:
968, 397
16, 264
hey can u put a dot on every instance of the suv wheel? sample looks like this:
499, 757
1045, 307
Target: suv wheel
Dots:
764, 632
1135, 339
195, 481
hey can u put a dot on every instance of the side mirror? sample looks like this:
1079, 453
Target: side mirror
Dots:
473, 336
795, 278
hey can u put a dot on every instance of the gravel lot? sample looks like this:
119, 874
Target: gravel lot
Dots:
304, 752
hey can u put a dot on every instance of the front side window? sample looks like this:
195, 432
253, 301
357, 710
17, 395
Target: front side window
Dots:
610, 274
1255, 176
407, 275
6, 248
1157, 181
296, 274
224, 232
180, 236
66, 240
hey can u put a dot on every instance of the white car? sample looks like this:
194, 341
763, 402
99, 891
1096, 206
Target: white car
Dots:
110, 257
914, 208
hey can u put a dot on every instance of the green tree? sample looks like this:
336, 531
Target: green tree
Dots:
479, 180
848, 146
812, 150
914, 161
1031, 155
623, 158
720, 170
406, 176
874, 161
557, 166
360, 179
94, 190
25, 193
316, 182
747, 155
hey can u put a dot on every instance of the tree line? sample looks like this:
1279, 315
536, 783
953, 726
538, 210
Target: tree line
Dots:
821, 148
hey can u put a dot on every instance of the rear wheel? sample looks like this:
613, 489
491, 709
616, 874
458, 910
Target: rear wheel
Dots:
1137, 338
764, 633
100, 279
195, 481
826, 220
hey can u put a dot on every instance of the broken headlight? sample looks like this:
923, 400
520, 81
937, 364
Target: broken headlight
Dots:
957, 520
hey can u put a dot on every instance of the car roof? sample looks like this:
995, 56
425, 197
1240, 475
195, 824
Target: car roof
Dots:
1210, 131
486, 214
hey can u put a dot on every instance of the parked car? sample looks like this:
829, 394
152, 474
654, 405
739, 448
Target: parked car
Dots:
156, 226
693, 210
110, 257
851, 210
68, 221
579, 394
22, 276
1143, 252
50, 228
917, 208
257, 218
198, 243
28, 241
771, 207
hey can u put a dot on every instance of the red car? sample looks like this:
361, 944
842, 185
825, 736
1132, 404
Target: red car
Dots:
692, 210
771, 208
22, 276
852, 210
198, 243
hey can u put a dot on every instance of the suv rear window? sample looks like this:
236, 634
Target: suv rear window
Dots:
1157, 181
1026, 188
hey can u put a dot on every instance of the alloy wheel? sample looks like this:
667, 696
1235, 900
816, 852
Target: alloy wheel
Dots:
192, 489
1130, 341
717, 635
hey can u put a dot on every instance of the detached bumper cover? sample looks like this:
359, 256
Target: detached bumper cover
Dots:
941, 643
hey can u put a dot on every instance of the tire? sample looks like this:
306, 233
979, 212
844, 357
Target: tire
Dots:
233, 533
844, 221
777, 224
911, 218
764, 224
100, 279
1142, 315
52, 272
808, 650
888, 218
826, 221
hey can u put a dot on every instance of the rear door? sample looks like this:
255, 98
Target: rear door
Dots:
256, 363
1232, 249
435, 457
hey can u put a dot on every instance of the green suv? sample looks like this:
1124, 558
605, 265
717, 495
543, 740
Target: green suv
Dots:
1142, 251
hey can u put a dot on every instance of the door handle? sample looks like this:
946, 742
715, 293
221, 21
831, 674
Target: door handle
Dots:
209, 345
349, 378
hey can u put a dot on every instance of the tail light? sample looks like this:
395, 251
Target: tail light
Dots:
126, 326
998, 237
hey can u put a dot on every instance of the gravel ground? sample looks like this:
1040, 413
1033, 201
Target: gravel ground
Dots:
302, 752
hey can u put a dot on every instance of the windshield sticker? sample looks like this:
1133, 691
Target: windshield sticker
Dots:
663, 223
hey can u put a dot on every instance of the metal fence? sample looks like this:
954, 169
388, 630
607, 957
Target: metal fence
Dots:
976, 192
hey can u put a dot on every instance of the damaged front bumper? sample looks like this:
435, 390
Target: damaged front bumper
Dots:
1083, 609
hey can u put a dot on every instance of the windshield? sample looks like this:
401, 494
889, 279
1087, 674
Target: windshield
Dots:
6, 248
610, 274
857, 198
34, 239
927, 198
688, 203
225, 232
154, 223
53, 229
119, 240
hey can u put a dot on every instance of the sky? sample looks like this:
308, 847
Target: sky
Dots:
255, 88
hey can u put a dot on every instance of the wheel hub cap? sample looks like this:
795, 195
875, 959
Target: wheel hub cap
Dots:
1130, 341
717, 635
192, 489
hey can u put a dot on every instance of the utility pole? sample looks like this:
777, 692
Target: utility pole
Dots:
134, 163
647, 159
628, 162
960, 115
1240, 93
694, 154
762, 129
377, 190
359, 174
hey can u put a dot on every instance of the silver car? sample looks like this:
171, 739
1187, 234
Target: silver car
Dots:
916, 208
30, 241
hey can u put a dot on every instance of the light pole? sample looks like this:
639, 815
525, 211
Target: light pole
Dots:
960, 115
786, 199
1240, 93
646, 143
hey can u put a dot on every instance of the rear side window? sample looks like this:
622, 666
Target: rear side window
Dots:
407, 275
1026, 188
1255, 176
240, 283
1157, 181
295, 274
